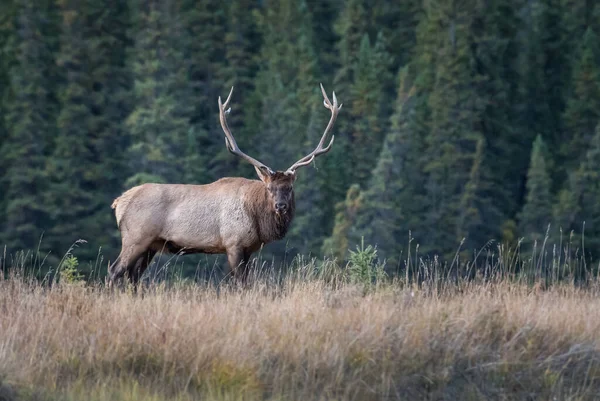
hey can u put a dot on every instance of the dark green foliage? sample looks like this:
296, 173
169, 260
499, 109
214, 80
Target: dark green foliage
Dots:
7, 20
90, 142
583, 105
579, 210
537, 211
394, 197
455, 126
30, 112
338, 243
201, 61
307, 233
443, 101
159, 124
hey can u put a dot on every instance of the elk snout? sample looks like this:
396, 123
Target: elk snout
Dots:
281, 207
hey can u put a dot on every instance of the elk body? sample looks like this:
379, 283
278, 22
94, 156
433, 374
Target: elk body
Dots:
233, 215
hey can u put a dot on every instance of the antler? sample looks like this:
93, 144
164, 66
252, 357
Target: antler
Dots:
319, 150
230, 140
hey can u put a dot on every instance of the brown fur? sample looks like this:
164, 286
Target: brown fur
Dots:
271, 226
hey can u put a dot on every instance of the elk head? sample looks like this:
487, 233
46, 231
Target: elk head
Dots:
279, 184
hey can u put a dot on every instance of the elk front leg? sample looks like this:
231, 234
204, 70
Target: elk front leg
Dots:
237, 264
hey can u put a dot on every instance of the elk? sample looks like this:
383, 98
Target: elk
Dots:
232, 215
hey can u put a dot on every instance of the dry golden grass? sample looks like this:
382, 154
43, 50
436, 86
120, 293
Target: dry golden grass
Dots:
302, 340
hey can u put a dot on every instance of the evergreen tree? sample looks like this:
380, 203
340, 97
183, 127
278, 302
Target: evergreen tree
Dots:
160, 121
351, 27
468, 121
364, 68
323, 12
70, 197
286, 84
6, 28
583, 105
553, 67
338, 243
455, 128
367, 109
579, 16
537, 211
241, 40
397, 21
392, 202
578, 210
497, 174
204, 55
310, 224
30, 111
286, 88
89, 145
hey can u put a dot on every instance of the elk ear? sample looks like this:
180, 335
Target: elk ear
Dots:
264, 174
291, 174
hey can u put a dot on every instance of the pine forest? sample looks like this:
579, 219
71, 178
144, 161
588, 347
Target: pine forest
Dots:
467, 125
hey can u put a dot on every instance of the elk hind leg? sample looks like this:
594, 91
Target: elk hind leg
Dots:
130, 253
136, 271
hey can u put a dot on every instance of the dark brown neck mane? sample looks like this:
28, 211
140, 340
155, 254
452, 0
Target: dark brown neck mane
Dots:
271, 226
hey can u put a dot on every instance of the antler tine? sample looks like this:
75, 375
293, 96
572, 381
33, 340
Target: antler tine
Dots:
230, 140
319, 150
224, 105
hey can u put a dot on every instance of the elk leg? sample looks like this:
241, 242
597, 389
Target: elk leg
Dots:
126, 260
140, 266
235, 257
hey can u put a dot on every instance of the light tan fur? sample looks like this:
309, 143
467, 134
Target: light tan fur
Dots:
120, 204
232, 215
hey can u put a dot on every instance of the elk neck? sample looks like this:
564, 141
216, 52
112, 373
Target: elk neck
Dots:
270, 225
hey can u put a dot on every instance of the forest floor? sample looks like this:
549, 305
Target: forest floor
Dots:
299, 340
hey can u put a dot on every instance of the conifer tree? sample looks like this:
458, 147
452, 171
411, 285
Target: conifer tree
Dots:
338, 243
30, 110
88, 150
286, 88
553, 67
393, 199
239, 66
397, 21
455, 128
351, 27
590, 209
204, 46
323, 13
578, 17
70, 196
311, 223
583, 105
160, 121
537, 211
6, 28
578, 210
367, 108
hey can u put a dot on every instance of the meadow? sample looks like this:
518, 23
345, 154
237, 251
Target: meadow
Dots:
317, 332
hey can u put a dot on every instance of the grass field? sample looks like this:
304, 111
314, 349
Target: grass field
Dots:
302, 338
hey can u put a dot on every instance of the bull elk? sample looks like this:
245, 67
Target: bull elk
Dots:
232, 215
